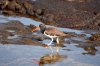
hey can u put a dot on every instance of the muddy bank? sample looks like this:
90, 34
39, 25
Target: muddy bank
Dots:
80, 14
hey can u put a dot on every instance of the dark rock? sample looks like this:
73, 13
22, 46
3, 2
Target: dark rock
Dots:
12, 5
40, 11
50, 17
4, 42
31, 26
95, 37
5, 33
14, 23
28, 7
29, 41
78, 0
90, 49
38, 16
16, 26
76, 14
38, 38
8, 12
33, 37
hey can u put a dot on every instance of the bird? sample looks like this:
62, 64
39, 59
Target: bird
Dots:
51, 32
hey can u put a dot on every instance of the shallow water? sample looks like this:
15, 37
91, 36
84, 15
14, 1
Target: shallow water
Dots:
30, 55
25, 21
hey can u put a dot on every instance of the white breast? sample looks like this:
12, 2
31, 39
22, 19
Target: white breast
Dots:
50, 35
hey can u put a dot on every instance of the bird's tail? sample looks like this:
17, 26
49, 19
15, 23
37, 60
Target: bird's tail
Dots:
67, 35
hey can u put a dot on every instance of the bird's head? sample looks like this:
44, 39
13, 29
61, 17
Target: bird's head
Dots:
41, 27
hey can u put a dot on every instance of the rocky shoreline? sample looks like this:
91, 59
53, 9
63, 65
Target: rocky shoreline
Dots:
10, 33
15, 32
77, 14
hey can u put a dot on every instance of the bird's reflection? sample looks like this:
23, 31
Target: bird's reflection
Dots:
51, 58
51, 47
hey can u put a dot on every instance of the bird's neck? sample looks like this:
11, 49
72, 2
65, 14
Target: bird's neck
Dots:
42, 30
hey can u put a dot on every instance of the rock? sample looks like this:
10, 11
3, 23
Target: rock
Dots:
75, 14
37, 38
78, 0
20, 41
29, 42
8, 12
50, 17
40, 11
70, 23
4, 42
31, 26
28, 7
14, 23
90, 49
33, 37
12, 5
5, 33
17, 26
95, 37
3, 4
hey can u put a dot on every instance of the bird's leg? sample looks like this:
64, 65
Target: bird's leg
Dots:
57, 40
57, 47
51, 41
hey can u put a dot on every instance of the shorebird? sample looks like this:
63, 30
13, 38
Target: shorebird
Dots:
51, 33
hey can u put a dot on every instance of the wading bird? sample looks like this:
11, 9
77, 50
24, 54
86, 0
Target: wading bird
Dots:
51, 33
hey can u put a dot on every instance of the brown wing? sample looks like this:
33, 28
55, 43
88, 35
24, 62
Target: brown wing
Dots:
54, 31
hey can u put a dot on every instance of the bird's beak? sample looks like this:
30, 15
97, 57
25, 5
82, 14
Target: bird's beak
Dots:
36, 28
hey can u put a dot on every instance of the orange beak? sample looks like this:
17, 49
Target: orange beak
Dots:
36, 28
